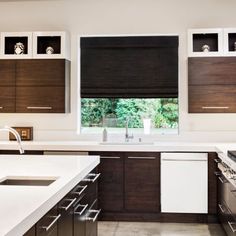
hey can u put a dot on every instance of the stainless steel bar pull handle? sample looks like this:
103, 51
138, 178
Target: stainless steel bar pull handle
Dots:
143, 158
222, 181
217, 173
215, 107
46, 228
70, 204
39, 108
221, 208
96, 215
1, 107
217, 160
92, 175
107, 157
83, 209
231, 225
82, 189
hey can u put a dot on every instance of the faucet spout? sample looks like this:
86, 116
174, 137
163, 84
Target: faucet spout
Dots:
127, 136
17, 136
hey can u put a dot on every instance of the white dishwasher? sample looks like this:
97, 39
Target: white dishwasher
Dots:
184, 182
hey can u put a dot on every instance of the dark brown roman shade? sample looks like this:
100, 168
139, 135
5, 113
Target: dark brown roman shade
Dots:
129, 67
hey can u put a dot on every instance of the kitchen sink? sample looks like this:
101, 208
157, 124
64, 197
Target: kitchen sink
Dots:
27, 181
127, 143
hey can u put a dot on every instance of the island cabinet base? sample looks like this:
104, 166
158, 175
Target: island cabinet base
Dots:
75, 215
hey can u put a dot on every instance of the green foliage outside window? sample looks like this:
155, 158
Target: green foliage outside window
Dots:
100, 112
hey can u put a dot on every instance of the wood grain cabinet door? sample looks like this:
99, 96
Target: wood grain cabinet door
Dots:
7, 86
7, 99
40, 99
40, 72
142, 182
111, 182
212, 99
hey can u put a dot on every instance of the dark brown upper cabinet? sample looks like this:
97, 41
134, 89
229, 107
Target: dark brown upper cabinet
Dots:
7, 86
212, 84
35, 86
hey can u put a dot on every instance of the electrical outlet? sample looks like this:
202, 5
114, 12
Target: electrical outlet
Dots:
26, 133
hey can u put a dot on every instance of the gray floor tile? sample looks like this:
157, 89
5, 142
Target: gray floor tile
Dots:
157, 229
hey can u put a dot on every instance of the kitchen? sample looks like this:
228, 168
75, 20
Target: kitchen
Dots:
204, 133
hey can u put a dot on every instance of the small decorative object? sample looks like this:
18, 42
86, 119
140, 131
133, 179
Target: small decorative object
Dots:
19, 48
49, 50
234, 46
206, 48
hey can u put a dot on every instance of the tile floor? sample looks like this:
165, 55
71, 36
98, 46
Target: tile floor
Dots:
157, 229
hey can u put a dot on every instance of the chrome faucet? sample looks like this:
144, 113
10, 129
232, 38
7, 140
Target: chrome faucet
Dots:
127, 136
17, 136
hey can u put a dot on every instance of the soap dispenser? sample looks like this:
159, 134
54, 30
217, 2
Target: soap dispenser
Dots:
104, 135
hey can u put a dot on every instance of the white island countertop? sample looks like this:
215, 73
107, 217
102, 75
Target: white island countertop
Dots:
22, 206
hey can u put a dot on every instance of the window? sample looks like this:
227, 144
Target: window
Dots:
129, 77
112, 113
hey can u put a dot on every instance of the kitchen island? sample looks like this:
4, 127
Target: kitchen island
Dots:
22, 206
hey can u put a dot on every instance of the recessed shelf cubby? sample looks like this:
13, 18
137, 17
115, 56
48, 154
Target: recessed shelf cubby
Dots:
205, 42
43, 42
51, 44
11, 40
199, 40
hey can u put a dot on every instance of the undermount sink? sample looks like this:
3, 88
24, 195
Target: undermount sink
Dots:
127, 143
27, 181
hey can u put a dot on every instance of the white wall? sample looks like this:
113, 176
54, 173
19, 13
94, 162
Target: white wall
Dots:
93, 17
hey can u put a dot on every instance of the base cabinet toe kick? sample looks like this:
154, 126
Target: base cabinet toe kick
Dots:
75, 215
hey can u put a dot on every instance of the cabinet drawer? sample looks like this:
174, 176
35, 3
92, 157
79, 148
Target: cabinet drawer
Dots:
7, 99
212, 71
38, 72
40, 99
227, 220
212, 99
47, 225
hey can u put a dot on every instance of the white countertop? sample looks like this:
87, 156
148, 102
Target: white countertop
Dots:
22, 206
96, 146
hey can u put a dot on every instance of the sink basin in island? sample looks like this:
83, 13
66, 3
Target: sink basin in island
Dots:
27, 181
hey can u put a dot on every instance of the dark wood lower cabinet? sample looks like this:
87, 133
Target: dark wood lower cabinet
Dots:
111, 183
142, 182
7, 99
31, 232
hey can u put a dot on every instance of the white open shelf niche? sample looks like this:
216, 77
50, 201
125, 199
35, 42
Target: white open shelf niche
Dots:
35, 44
220, 40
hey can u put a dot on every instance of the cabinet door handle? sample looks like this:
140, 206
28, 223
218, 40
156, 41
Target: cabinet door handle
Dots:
92, 175
39, 108
95, 217
106, 157
217, 173
143, 158
81, 212
1, 107
215, 107
82, 189
70, 204
217, 160
46, 228
231, 226
222, 181
221, 208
